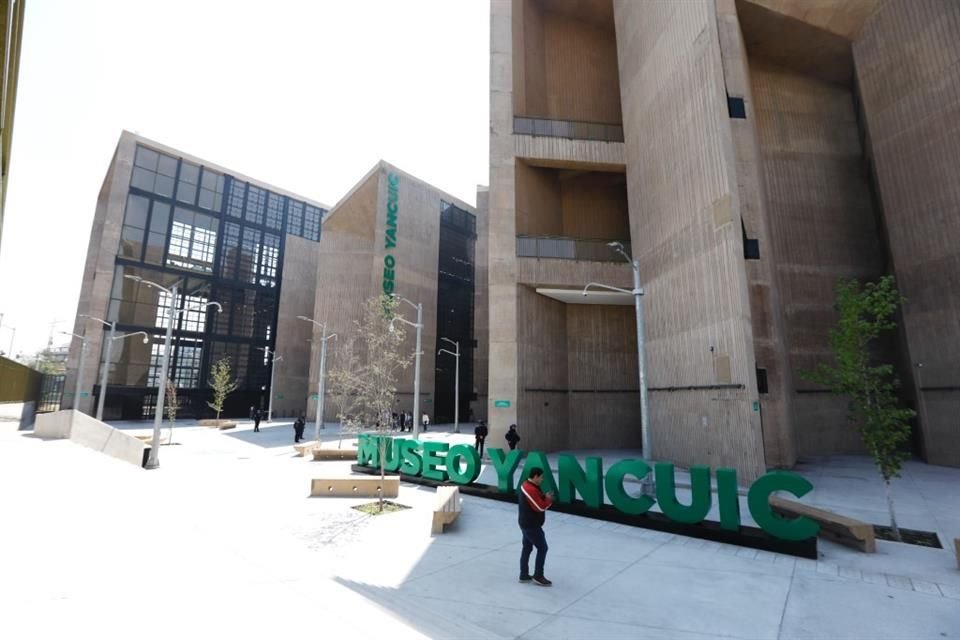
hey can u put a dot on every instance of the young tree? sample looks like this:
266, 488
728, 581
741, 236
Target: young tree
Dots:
171, 404
222, 384
378, 349
342, 382
866, 312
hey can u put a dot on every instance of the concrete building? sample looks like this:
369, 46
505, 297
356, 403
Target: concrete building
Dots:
394, 233
749, 153
171, 218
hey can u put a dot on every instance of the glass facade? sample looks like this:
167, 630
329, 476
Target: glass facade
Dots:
455, 295
218, 239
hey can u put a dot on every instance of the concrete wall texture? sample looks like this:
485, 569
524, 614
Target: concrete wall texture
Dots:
828, 131
353, 247
908, 69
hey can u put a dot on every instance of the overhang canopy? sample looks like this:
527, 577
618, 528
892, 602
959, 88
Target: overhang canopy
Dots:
596, 296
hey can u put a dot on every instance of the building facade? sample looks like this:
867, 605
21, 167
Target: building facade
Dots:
749, 153
11, 27
169, 218
394, 233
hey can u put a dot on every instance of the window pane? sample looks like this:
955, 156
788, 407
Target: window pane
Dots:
142, 179
268, 260
295, 218
160, 217
311, 223
189, 172
235, 201
131, 242
136, 215
231, 247
249, 255
274, 211
256, 201
164, 186
187, 184
167, 166
146, 158
155, 242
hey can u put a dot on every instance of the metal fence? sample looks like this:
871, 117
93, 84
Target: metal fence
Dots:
568, 248
51, 393
568, 129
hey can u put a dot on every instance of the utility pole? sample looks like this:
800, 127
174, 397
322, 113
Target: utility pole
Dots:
456, 385
637, 294
321, 384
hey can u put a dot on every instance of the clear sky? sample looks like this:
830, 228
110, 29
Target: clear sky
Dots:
304, 95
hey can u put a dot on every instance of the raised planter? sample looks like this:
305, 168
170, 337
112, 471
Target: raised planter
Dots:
217, 424
334, 454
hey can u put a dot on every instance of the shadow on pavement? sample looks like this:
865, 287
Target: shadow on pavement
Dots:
278, 434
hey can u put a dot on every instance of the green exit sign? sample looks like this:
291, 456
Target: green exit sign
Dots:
501, 404
314, 396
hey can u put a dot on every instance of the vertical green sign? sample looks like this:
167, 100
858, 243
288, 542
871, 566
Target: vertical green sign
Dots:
390, 233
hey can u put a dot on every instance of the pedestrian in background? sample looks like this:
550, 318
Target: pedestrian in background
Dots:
533, 503
257, 415
426, 421
480, 435
513, 437
298, 427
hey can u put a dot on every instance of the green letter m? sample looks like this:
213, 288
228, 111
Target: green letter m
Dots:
367, 450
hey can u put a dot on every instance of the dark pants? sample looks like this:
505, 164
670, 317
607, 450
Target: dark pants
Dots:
513, 445
533, 538
298, 433
479, 445
256, 424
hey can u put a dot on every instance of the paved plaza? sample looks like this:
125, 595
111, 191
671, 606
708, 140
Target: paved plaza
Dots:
222, 541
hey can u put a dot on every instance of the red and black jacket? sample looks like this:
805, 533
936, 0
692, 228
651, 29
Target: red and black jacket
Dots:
533, 505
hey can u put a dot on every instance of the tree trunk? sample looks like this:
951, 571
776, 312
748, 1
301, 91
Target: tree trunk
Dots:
893, 517
383, 450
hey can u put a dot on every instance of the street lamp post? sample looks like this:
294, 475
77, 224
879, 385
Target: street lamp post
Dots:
154, 460
637, 293
106, 362
321, 384
273, 366
78, 386
418, 325
456, 385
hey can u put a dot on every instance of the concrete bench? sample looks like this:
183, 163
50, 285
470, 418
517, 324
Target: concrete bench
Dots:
833, 526
334, 454
303, 448
446, 509
355, 487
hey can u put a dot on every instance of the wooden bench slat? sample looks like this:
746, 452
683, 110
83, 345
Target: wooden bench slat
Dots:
833, 526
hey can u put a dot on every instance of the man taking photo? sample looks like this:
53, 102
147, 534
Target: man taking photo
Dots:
533, 504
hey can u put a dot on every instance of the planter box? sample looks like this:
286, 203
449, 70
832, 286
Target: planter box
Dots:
223, 424
334, 454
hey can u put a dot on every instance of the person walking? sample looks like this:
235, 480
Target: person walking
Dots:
257, 416
253, 410
533, 504
513, 437
298, 427
425, 421
403, 420
480, 435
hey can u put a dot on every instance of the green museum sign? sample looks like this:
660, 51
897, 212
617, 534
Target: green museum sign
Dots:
461, 464
390, 233
501, 404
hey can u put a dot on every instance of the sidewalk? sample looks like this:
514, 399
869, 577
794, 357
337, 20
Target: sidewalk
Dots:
222, 540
